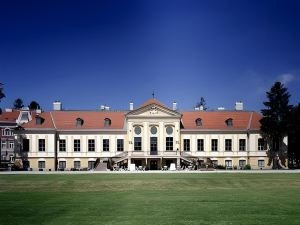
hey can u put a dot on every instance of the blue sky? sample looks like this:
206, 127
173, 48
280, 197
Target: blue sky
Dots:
88, 53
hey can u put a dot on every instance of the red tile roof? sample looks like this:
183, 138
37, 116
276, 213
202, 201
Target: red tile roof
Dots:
216, 120
47, 122
91, 120
152, 101
66, 120
9, 116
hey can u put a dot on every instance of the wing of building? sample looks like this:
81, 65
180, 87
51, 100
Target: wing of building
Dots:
9, 120
152, 136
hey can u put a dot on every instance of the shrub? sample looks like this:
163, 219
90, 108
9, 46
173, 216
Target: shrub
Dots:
220, 167
247, 167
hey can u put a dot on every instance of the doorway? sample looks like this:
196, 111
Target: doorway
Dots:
153, 164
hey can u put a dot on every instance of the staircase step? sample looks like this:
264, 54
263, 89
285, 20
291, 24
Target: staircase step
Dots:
101, 167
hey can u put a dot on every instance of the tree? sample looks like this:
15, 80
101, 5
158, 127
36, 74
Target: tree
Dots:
2, 95
294, 138
34, 105
274, 124
201, 104
18, 103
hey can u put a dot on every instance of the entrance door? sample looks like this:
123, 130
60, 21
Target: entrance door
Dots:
153, 145
153, 164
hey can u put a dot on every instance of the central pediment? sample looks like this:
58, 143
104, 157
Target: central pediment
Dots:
153, 108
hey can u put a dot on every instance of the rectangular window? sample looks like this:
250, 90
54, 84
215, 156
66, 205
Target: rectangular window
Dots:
11, 144
91, 165
153, 144
228, 145
62, 165
186, 145
200, 145
242, 163
261, 163
76, 145
26, 145
120, 145
3, 144
91, 145
137, 143
106, 145
242, 145
41, 145
77, 164
214, 145
62, 145
228, 164
42, 165
169, 143
261, 144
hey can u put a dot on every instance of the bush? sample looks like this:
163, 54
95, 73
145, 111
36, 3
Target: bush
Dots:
247, 167
220, 167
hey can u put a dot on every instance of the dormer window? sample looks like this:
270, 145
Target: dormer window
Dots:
107, 122
229, 122
39, 120
79, 122
198, 122
24, 116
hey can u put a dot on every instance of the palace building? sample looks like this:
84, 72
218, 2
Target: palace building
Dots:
152, 136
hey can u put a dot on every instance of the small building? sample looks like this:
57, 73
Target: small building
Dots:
9, 120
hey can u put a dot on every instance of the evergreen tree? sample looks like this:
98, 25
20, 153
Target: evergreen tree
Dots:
294, 138
34, 105
18, 103
274, 124
2, 95
201, 103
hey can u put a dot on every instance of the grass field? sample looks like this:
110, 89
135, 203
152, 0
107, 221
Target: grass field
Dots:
150, 199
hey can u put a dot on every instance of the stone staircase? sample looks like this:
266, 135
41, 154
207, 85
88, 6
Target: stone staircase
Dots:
100, 166
186, 157
120, 157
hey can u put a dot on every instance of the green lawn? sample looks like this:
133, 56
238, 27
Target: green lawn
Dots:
150, 199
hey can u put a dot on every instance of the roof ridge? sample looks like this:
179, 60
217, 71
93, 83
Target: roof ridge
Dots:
250, 121
53, 120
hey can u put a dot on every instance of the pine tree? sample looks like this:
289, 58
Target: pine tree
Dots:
2, 95
294, 138
18, 103
274, 124
201, 103
34, 105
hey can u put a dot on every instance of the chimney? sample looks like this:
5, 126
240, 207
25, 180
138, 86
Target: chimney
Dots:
174, 106
201, 108
239, 106
130, 106
221, 108
57, 106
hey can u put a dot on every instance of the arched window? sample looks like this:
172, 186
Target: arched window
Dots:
229, 122
79, 122
6, 132
198, 122
107, 122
